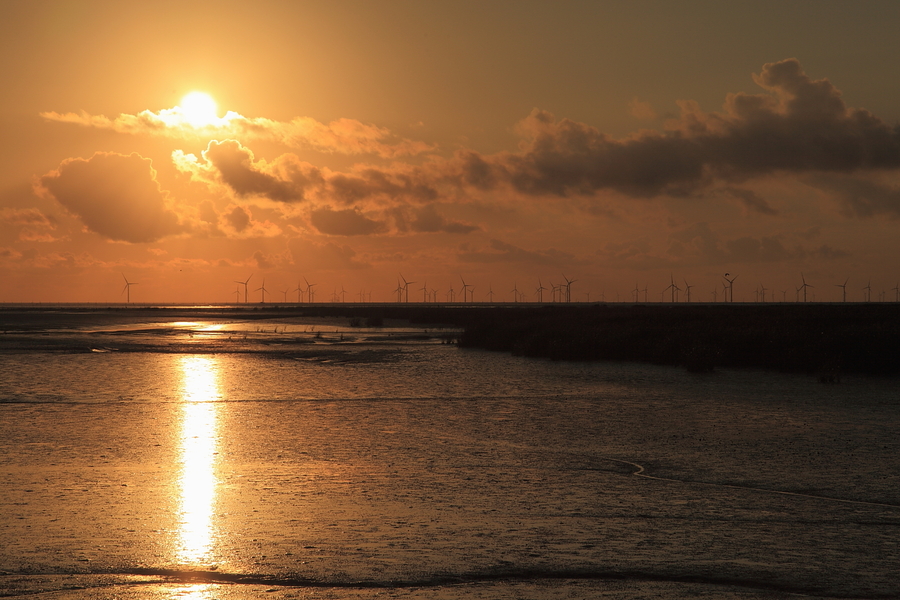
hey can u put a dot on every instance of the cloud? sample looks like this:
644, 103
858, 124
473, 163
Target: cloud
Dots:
503, 252
114, 195
312, 256
795, 125
752, 202
799, 125
33, 224
238, 218
289, 179
27, 217
345, 136
345, 222
428, 220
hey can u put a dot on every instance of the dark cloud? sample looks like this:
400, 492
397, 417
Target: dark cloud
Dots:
371, 183
752, 202
234, 164
796, 125
503, 252
263, 261
800, 125
238, 217
309, 255
114, 195
345, 222
428, 220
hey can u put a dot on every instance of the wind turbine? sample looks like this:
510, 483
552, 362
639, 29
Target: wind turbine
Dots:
687, 291
896, 290
465, 288
127, 289
540, 291
263, 289
762, 292
490, 293
515, 292
673, 287
424, 290
730, 287
868, 290
804, 286
843, 287
637, 293
406, 286
299, 291
244, 283
569, 283
310, 293
237, 295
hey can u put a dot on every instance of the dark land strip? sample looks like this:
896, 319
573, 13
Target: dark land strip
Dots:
827, 340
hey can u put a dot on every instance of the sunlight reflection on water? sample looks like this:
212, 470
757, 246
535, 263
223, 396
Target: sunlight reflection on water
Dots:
199, 439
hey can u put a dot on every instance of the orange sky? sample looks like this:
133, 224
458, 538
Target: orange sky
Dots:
620, 144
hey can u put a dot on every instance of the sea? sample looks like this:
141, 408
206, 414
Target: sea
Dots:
222, 452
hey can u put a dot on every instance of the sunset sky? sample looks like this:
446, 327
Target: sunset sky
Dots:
619, 144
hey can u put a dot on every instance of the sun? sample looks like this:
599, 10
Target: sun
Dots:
199, 109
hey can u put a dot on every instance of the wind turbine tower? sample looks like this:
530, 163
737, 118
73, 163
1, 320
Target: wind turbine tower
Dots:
127, 289
843, 287
804, 286
245, 283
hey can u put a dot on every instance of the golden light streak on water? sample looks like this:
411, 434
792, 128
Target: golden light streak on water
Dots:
199, 439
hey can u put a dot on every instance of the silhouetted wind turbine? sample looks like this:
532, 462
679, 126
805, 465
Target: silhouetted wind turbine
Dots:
310, 293
804, 286
127, 289
490, 293
672, 287
569, 283
406, 286
868, 290
515, 292
465, 288
896, 290
730, 287
843, 287
540, 291
762, 292
244, 283
687, 291
263, 289
299, 291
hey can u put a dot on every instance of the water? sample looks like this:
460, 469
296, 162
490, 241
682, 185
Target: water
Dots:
213, 456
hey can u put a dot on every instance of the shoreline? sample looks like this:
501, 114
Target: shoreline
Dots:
824, 339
